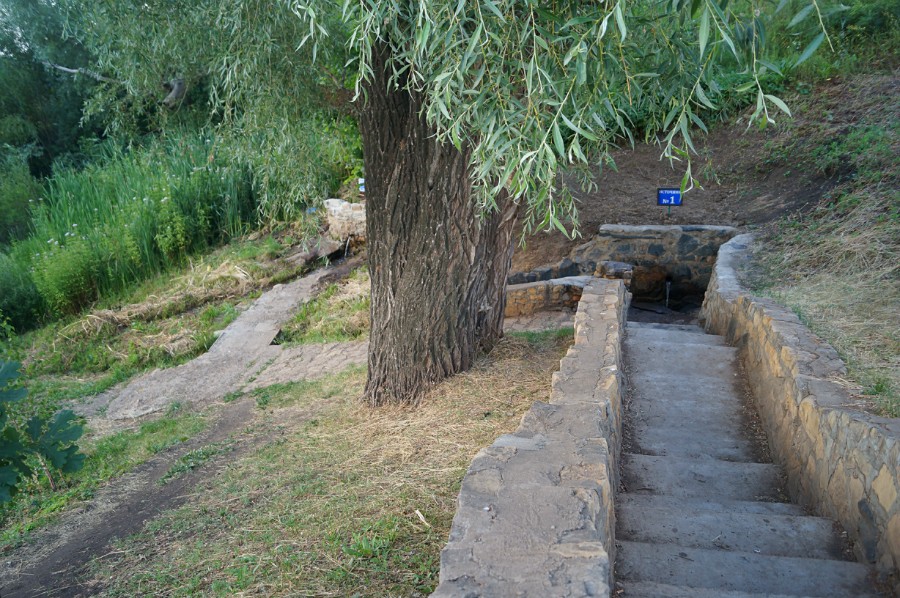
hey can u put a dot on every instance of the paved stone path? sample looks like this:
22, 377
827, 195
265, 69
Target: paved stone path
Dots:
240, 353
700, 516
244, 358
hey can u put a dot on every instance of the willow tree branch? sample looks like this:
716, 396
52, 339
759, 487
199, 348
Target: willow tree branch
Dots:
80, 71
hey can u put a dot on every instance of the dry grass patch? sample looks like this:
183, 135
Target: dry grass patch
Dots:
345, 499
838, 266
339, 313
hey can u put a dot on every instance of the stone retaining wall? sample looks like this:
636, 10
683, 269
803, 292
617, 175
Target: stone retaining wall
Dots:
843, 463
535, 514
683, 255
526, 299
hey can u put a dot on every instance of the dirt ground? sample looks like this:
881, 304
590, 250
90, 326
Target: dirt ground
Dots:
743, 186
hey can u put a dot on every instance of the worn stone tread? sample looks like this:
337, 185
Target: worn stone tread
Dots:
776, 535
674, 327
664, 361
649, 589
685, 406
717, 506
696, 440
705, 388
740, 571
671, 337
708, 478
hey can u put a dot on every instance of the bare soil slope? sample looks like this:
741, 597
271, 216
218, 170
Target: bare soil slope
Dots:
748, 177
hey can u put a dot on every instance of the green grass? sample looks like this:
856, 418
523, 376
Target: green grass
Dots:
131, 214
330, 506
194, 459
160, 322
339, 313
107, 457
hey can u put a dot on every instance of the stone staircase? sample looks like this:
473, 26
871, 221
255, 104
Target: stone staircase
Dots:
699, 514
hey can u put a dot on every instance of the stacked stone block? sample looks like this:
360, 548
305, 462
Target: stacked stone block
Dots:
682, 255
532, 297
535, 513
843, 463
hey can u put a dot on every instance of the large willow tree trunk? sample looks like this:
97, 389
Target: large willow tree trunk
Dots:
438, 269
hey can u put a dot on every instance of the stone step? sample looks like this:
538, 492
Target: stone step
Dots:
673, 327
752, 573
705, 387
682, 404
649, 589
700, 478
695, 505
696, 439
667, 361
671, 336
775, 535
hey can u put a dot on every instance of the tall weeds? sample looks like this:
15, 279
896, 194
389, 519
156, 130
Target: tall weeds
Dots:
132, 213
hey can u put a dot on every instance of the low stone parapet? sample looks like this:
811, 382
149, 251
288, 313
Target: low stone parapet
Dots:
535, 514
532, 297
842, 463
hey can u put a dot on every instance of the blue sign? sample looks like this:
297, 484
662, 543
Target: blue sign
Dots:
668, 197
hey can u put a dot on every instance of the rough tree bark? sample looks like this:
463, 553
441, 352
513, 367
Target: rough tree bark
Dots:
438, 268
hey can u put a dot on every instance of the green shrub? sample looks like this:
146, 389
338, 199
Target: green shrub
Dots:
66, 276
20, 300
16, 131
17, 189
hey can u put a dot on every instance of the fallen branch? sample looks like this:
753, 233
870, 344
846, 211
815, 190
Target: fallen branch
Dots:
80, 71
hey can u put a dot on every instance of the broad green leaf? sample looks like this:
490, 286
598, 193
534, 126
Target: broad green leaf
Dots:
703, 99
620, 20
493, 8
812, 47
558, 140
801, 15
768, 65
9, 371
8, 478
555, 221
604, 25
699, 123
781, 105
581, 70
704, 30
686, 179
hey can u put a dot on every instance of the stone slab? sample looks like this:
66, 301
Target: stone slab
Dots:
741, 571
707, 478
696, 505
777, 535
647, 589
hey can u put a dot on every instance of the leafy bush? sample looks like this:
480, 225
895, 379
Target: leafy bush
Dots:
16, 131
304, 161
66, 276
20, 300
45, 442
17, 189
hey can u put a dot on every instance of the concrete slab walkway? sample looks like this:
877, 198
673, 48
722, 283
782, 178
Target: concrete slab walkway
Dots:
701, 515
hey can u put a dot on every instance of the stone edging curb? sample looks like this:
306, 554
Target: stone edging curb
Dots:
535, 513
843, 463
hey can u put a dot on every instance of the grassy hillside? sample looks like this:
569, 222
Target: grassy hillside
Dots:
838, 265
